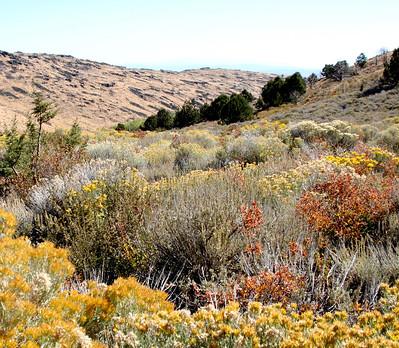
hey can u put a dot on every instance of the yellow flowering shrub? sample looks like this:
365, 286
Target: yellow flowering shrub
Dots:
264, 326
371, 160
159, 153
39, 309
291, 181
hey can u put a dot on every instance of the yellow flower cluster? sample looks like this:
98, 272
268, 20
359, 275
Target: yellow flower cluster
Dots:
355, 160
291, 181
39, 309
8, 223
36, 310
367, 162
263, 326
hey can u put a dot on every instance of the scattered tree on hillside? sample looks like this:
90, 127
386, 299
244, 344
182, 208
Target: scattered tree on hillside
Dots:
391, 71
237, 109
213, 111
361, 60
248, 95
74, 138
165, 119
280, 90
151, 123
312, 79
43, 112
337, 71
14, 144
272, 92
187, 115
294, 87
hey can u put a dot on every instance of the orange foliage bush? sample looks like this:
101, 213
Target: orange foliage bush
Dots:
268, 287
252, 219
265, 287
347, 207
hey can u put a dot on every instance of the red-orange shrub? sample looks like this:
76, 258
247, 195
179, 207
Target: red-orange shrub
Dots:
347, 207
269, 287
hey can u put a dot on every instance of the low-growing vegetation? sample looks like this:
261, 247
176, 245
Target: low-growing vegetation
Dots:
262, 233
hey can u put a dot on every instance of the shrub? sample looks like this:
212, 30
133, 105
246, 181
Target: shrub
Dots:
347, 207
165, 119
391, 70
102, 225
213, 112
254, 149
41, 306
390, 138
191, 156
337, 71
272, 92
151, 123
279, 91
361, 60
337, 134
237, 109
120, 151
187, 115
248, 96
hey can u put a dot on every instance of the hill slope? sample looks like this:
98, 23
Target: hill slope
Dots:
330, 100
99, 94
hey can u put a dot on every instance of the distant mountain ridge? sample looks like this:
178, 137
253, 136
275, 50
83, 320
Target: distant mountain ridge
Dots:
100, 95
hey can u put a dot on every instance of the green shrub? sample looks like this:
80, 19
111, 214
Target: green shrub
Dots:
102, 225
187, 115
272, 93
165, 119
151, 123
279, 90
213, 111
391, 71
361, 60
133, 125
237, 109
337, 71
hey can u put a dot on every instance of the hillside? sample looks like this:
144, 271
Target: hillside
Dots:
328, 100
99, 95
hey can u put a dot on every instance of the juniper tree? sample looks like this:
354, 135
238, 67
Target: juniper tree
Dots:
43, 112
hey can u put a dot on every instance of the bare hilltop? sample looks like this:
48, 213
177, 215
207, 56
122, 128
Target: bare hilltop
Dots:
100, 95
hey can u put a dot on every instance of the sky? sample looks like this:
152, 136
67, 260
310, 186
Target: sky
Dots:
275, 36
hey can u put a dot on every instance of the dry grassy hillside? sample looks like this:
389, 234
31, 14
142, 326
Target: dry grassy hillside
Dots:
329, 100
99, 95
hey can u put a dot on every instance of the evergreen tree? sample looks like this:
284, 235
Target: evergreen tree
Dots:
73, 138
213, 112
312, 79
272, 93
165, 119
361, 60
187, 115
43, 111
248, 96
391, 70
294, 86
237, 109
14, 146
151, 123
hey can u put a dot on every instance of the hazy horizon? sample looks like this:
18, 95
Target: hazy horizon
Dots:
256, 35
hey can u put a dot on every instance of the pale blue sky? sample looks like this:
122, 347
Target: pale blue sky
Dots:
179, 34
